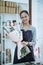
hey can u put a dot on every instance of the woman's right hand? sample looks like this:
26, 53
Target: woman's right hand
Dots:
14, 41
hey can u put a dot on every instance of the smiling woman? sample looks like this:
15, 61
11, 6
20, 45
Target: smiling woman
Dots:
29, 40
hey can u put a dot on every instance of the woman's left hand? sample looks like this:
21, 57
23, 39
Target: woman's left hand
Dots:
24, 43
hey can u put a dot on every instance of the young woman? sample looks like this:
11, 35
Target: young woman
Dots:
29, 38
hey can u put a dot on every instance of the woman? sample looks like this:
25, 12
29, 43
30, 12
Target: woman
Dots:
29, 38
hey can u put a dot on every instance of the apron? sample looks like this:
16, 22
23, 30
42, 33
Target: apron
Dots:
27, 36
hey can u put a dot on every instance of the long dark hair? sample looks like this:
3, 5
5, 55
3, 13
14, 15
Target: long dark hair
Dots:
26, 13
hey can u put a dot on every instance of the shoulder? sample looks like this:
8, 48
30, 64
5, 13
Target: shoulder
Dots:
33, 28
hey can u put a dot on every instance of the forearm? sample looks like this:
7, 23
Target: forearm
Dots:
32, 43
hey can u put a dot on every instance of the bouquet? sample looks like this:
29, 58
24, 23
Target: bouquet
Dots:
16, 36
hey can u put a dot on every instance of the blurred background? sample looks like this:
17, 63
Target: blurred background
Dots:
9, 11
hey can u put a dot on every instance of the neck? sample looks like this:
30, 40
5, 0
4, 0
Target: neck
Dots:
26, 25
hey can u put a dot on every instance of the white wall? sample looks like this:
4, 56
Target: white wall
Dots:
40, 26
37, 21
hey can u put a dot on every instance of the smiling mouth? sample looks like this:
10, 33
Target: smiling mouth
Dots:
24, 20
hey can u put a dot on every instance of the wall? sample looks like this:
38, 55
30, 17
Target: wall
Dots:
40, 27
37, 21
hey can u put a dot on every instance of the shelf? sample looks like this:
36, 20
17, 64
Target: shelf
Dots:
8, 7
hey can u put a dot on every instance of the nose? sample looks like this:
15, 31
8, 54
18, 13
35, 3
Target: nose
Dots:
23, 18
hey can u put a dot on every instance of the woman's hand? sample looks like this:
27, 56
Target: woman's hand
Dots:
24, 43
16, 42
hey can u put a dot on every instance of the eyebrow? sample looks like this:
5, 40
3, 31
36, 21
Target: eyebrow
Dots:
23, 17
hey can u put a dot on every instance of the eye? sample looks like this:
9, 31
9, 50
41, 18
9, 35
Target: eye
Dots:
22, 17
25, 16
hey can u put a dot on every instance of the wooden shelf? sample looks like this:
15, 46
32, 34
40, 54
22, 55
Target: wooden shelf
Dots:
8, 7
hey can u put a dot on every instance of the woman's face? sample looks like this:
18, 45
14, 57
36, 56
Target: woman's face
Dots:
25, 18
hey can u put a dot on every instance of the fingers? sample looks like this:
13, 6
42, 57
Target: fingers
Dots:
24, 43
